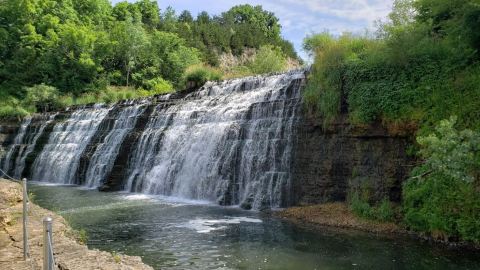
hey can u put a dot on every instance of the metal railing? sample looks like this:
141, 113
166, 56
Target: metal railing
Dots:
25, 220
48, 256
48, 259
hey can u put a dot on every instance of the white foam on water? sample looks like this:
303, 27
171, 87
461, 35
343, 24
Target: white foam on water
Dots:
168, 200
136, 197
208, 225
38, 183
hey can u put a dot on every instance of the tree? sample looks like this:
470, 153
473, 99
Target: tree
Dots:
129, 41
442, 197
268, 59
42, 96
247, 14
124, 11
185, 17
203, 18
93, 11
169, 20
150, 13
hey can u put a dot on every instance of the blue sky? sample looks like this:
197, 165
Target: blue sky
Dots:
300, 18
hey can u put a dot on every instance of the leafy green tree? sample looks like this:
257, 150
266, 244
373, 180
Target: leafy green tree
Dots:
42, 96
82, 47
442, 197
247, 14
203, 17
150, 13
124, 11
95, 12
169, 20
130, 41
185, 17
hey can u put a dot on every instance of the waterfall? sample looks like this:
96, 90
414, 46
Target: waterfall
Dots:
229, 143
59, 160
101, 161
30, 145
18, 146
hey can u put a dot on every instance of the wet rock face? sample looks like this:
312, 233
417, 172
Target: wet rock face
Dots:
329, 163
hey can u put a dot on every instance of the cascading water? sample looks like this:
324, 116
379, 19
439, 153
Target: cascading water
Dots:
101, 161
58, 161
229, 143
30, 145
18, 146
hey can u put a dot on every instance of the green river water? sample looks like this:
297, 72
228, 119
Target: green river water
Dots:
178, 234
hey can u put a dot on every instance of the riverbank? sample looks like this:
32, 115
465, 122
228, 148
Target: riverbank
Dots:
337, 215
68, 252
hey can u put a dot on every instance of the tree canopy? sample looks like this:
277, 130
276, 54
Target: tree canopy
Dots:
83, 46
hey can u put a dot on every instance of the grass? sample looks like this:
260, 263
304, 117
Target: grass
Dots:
200, 74
82, 236
116, 257
111, 95
383, 211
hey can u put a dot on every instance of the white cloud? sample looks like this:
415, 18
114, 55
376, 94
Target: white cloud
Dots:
352, 10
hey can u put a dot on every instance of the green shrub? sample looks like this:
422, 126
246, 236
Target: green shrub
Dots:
12, 111
327, 83
361, 207
267, 60
200, 74
442, 198
421, 68
42, 96
159, 86
82, 236
361, 203
87, 98
384, 211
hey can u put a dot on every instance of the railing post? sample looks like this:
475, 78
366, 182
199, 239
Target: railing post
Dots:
25, 216
47, 248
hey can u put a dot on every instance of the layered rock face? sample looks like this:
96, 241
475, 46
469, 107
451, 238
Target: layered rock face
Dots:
330, 163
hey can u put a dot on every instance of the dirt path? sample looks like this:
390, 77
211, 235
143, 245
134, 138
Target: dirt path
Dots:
69, 254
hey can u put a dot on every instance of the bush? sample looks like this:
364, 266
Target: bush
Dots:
200, 74
12, 111
42, 96
361, 207
442, 198
159, 86
383, 212
267, 60
327, 83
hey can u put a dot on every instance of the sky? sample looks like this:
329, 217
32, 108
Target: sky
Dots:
300, 18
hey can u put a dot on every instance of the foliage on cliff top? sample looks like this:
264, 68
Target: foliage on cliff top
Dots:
421, 66
81, 47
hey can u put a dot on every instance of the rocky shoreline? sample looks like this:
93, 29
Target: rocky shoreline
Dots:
69, 253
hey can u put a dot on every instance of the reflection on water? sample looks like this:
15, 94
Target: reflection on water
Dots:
172, 234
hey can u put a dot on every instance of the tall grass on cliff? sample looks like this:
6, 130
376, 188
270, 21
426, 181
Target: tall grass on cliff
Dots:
327, 83
420, 67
